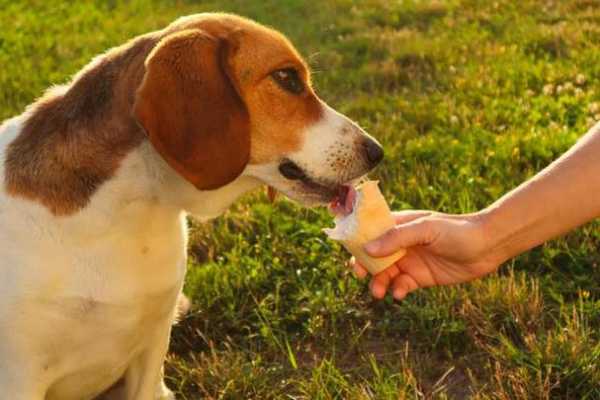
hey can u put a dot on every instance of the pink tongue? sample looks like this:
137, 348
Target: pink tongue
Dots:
349, 203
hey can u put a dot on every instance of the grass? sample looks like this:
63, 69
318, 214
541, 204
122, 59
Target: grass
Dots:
469, 99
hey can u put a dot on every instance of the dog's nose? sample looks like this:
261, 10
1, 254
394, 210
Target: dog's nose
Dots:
373, 151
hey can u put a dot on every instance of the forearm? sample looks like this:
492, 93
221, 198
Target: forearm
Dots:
561, 197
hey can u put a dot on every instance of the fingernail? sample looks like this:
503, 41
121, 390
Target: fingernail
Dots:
398, 294
372, 247
378, 291
357, 272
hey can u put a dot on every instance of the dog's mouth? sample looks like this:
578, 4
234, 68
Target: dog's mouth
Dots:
340, 197
343, 203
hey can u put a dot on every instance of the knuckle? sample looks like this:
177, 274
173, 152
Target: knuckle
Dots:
394, 233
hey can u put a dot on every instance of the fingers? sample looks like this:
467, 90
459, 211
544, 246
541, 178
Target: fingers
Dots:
402, 285
413, 233
405, 216
392, 279
359, 271
381, 282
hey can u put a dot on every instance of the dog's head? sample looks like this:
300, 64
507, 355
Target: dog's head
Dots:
223, 96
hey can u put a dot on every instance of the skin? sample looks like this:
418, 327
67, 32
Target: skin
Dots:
446, 249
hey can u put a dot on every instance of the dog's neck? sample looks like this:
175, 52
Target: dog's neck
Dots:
169, 189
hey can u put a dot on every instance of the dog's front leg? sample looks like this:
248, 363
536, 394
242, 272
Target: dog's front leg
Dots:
144, 377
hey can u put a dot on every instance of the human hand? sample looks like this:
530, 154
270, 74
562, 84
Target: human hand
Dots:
442, 249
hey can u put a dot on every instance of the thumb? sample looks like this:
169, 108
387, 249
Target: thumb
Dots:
402, 236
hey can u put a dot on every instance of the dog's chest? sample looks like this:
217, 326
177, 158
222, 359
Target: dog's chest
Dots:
91, 303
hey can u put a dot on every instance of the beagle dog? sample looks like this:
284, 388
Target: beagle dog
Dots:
97, 177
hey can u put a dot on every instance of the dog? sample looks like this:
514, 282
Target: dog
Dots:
97, 179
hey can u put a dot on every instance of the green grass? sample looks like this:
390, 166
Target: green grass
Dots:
469, 98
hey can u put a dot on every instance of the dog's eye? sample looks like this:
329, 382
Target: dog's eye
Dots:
289, 80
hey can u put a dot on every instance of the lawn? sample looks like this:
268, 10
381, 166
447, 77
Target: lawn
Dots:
469, 98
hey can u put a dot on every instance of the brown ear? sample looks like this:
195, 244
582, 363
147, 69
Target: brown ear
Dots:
191, 111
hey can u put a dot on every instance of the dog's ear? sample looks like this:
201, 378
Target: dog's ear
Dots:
189, 105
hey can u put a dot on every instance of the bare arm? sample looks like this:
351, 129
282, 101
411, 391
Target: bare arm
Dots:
446, 249
563, 196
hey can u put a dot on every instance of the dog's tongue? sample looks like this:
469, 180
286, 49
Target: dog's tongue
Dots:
344, 202
349, 203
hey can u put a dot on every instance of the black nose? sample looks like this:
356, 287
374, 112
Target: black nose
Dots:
291, 171
373, 151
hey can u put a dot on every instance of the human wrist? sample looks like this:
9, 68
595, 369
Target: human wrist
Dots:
495, 235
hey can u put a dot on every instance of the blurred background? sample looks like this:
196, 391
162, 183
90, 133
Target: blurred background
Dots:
469, 99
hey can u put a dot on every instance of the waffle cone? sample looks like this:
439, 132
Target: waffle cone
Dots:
370, 218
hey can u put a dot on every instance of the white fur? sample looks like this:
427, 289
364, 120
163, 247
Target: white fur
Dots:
334, 136
330, 155
89, 298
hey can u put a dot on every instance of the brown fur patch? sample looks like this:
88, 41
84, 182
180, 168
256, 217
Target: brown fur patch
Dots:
75, 137
280, 126
192, 112
277, 118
